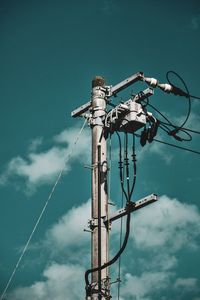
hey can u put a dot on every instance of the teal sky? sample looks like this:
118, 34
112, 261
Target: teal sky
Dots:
49, 53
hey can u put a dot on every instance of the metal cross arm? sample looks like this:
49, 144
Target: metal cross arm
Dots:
125, 83
81, 109
110, 91
131, 208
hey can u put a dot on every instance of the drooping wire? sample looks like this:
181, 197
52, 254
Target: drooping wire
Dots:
183, 129
172, 145
42, 212
164, 126
195, 97
188, 96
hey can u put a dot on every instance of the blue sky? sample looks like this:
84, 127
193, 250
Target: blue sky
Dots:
49, 53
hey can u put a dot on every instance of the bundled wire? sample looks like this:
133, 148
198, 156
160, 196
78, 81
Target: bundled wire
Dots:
130, 194
128, 203
164, 126
167, 124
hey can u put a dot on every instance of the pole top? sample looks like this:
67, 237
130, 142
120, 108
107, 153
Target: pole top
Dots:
98, 81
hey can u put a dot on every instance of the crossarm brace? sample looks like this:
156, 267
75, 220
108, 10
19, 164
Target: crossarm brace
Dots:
131, 208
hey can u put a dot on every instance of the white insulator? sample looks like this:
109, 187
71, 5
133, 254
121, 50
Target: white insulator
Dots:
124, 106
165, 87
151, 81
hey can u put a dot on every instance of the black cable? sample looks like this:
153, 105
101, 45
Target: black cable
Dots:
164, 128
160, 114
185, 129
121, 250
114, 259
126, 163
195, 97
134, 167
169, 123
120, 244
173, 133
188, 95
183, 148
121, 166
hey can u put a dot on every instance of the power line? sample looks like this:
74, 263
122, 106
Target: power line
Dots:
195, 97
172, 145
42, 212
185, 129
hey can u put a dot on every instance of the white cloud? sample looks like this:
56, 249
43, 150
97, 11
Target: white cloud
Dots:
61, 282
186, 284
140, 287
68, 231
157, 149
168, 223
160, 230
42, 167
35, 143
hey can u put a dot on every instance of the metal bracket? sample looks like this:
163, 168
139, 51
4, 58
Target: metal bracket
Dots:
93, 223
132, 207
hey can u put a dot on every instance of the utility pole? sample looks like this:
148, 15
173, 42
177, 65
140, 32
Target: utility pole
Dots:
100, 278
125, 117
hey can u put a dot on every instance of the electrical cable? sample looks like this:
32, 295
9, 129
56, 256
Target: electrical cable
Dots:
126, 163
134, 166
42, 212
121, 166
121, 221
120, 241
118, 254
183, 129
195, 97
188, 95
114, 259
172, 145
159, 113
176, 128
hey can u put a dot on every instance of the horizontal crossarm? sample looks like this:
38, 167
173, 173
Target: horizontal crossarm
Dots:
133, 206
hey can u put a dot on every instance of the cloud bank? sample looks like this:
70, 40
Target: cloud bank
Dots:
160, 231
39, 168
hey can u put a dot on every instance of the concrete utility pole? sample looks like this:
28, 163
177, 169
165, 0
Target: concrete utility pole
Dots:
127, 117
99, 190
